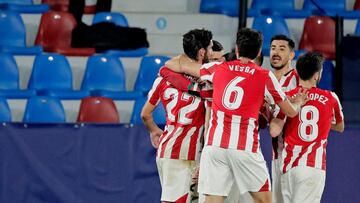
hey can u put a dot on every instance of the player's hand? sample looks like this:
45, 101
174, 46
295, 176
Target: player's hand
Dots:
155, 137
300, 98
195, 176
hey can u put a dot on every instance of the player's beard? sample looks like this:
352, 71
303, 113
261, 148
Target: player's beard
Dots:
206, 58
278, 67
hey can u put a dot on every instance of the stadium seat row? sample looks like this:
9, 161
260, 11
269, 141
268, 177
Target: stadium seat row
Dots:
52, 76
54, 34
285, 8
43, 109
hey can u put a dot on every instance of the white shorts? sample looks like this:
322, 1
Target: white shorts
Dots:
175, 178
303, 184
276, 180
221, 168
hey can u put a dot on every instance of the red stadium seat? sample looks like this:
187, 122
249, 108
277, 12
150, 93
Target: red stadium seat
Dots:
54, 34
357, 5
319, 35
57, 5
98, 110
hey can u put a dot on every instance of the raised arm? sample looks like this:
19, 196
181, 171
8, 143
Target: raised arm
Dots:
182, 64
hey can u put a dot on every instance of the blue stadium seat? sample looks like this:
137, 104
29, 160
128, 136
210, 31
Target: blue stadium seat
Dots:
148, 71
105, 76
112, 17
285, 8
9, 79
327, 77
13, 35
5, 113
44, 110
226, 7
270, 26
158, 114
120, 20
357, 29
23, 6
51, 76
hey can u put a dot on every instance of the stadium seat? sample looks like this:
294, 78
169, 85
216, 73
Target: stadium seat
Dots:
105, 76
312, 38
13, 35
148, 71
57, 5
270, 26
5, 113
120, 20
285, 8
23, 6
330, 7
113, 17
158, 114
54, 34
9, 79
51, 76
357, 28
44, 110
98, 110
327, 77
226, 7
357, 5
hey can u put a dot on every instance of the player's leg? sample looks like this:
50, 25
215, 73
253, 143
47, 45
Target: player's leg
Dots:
276, 180
215, 178
251, 174
286, 186
175, 179
308, 184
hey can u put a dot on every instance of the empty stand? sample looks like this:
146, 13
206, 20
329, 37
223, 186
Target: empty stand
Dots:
57, 5
331, 7
9, 79
98, 110
13, 34
5, 114
149, 69
54, 34
313, 38
44, 110
51, 75
270, 26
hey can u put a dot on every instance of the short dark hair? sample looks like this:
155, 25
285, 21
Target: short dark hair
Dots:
217, 46
285, 38
249, 42
230, 56
308, 64
194, 40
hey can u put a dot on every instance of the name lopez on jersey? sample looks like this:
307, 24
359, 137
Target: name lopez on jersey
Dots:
320, 98
245, 69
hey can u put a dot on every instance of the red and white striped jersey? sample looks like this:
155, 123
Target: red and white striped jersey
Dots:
239, 90
306, 134
185, 117
288, 81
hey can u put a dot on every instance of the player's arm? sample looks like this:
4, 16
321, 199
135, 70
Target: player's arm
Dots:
338, 123
276, 127
181, 64
148, 120
289, 106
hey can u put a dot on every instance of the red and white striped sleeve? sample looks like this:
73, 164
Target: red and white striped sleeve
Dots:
207, 71
273, 90
338, 114
154, 93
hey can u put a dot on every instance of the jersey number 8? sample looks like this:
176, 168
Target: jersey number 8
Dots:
309, 129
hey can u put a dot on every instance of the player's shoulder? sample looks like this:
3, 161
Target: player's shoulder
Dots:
293, 91
212, 64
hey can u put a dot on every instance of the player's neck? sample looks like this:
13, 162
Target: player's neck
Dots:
188, 59
279, 73
244, 59
307, 84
